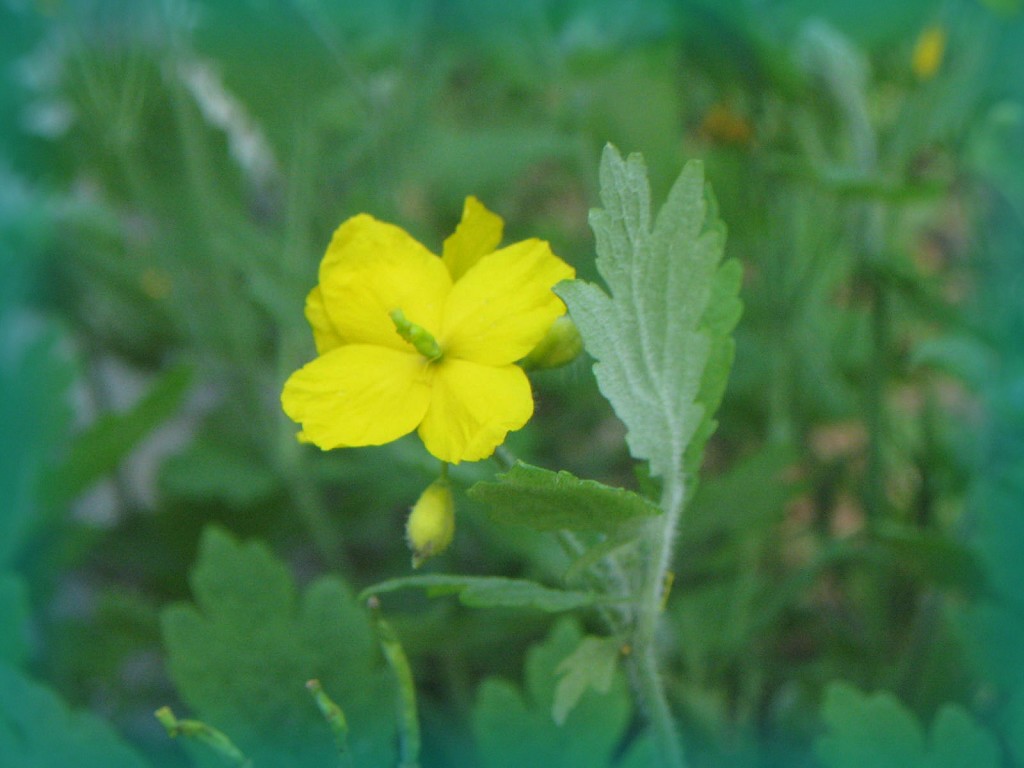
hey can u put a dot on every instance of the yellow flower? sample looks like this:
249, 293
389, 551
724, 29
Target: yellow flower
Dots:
431, 523
928, 51
407, 340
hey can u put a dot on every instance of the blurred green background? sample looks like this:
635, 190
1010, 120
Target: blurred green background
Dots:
171, 174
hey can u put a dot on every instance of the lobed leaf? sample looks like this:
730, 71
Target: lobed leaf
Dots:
877, 730
515, 727
652, 334
242, 653
591, 665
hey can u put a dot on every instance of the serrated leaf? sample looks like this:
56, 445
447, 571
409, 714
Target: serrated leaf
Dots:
877, 730
591, 665
241, 655
37, 730
720, 319
489, 592
554, 501
514, 728
647, 335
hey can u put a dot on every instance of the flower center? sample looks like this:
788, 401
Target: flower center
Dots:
416, 335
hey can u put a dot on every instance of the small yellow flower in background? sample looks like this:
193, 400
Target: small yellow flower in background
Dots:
410, 341
431, 523
928, 51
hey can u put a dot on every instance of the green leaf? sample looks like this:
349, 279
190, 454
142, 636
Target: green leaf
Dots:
38, 731
873, 730
242, 654
13, 618
489, 592
35, 376
554, 501
877, 730
591, 665
514, 728
97, 451
648, 336
207, 471
956, 741
722, 315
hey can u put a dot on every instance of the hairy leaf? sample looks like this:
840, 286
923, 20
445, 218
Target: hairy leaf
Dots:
553, 501
650, 336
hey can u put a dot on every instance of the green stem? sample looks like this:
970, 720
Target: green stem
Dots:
644, 668
408, 717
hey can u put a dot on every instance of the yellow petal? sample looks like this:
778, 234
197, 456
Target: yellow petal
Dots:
502, 307
477, 235
324, 335
358, 395
472, 408
371, 268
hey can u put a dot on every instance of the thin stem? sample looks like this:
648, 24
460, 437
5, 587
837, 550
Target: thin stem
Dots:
644, 669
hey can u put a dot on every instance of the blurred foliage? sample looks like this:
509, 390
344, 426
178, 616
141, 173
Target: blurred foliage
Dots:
171, 173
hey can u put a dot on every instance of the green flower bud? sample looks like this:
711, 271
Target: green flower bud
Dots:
431, 523
561, 345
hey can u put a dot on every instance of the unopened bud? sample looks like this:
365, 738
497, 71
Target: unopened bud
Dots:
431, 523
561, 345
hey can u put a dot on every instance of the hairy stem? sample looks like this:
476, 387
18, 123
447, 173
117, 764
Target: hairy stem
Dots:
644, 664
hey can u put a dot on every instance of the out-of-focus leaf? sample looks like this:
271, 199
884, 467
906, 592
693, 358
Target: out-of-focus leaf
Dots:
241, 655
207, 471
877, 730
35, 415
13, 618
591, 665
750, 496
515, 727
98, 450
490, 592
932, 556
871, 730
553, 501
37, 730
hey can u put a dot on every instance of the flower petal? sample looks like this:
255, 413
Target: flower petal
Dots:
324, 335
371, 268
358, 395
502, 307
477, 235
472, 408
